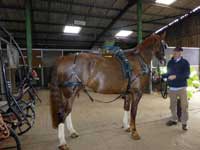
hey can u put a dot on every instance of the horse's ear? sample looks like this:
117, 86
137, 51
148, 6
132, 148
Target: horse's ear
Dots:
163, 35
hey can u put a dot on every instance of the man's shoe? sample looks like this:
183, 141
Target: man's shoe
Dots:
171, 123
184, 127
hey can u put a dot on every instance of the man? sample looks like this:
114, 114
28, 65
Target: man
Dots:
178, 71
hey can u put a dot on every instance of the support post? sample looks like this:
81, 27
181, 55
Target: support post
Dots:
42, 70
1, 77
139, 21
29, 32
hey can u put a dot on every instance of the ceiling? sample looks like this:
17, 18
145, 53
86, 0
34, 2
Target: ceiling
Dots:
104, 18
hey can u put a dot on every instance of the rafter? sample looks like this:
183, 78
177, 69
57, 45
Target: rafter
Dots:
57, 24
62, 12
133, 2
100, 7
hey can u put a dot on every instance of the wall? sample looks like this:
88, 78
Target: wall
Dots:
185, 33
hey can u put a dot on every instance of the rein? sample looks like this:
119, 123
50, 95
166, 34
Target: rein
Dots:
99, 101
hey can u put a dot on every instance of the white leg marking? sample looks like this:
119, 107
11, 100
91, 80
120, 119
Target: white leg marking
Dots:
61, 134
70, 125
126, 120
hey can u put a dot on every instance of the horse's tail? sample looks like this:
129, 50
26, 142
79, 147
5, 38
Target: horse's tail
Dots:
55, 97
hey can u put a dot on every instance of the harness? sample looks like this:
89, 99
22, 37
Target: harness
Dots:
145, 67
127, 70
126, 67
119, 54
76, 81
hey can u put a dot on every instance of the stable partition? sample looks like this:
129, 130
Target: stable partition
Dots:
43, 61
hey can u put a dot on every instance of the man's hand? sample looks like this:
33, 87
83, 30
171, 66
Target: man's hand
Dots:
172, 77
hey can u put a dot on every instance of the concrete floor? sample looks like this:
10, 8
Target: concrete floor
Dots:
99, 126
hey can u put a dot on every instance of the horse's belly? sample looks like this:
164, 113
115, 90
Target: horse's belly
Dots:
108, 86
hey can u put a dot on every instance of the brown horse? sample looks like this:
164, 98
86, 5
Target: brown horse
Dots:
102, 75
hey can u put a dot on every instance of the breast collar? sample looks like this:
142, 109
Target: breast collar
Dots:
144, 66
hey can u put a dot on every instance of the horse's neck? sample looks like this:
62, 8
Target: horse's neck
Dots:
146, 52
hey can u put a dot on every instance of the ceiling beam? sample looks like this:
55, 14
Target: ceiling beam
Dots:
120, 14
73, 13
152, 21
57, 43
57, 24
48, 33
84, 5
56, 40
49, 23
82, 35
100, 7
54, 46
62, 12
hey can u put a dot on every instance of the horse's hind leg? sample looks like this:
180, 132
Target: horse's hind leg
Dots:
68, 108
64, 115
126, 124
61, 131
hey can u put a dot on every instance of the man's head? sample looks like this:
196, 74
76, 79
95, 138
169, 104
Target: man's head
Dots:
177, 52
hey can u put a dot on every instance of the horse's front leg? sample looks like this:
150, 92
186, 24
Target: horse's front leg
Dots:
72, 131
134, 105
126, 123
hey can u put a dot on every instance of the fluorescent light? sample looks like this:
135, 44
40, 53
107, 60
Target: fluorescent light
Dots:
165, 2
79, 22
72, 29
123, 33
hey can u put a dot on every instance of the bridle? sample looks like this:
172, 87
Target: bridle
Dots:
163, 46
163, 83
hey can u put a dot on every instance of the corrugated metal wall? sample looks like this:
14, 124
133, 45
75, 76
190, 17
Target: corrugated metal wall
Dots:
185, 33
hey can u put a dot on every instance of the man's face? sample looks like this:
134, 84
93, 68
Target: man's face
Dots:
177, 54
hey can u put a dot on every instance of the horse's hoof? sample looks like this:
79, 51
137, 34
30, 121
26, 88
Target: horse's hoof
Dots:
135, 136
74, 135
127, 130
63, 147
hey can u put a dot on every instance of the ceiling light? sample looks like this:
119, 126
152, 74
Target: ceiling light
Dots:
79, 22
123, 33
165, 2
72, 29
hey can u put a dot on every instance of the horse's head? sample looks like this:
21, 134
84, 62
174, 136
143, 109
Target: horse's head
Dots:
159, 47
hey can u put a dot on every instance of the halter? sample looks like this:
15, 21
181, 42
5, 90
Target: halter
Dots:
163, 46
